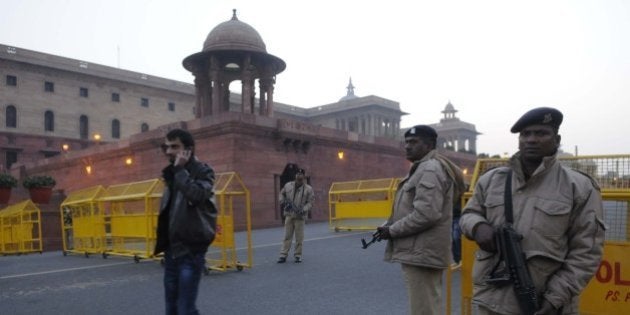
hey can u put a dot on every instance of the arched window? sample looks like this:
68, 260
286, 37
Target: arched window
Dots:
144, 127
116, 129
49, 121
11, 115
83, 127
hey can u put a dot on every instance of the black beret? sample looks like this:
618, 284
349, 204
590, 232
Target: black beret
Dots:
421, 130
539, 116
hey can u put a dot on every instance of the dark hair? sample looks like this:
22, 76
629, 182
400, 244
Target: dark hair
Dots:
184, 136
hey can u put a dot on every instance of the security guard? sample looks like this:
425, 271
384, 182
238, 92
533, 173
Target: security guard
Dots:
419, 228
297, 199
557, 210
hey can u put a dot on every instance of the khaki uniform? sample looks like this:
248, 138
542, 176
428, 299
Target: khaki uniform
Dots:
303, 198
559, 213
420, 227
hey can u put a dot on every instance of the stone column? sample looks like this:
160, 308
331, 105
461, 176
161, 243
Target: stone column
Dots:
247, 87
270, 98
262, 110
215, 82
225, 96
203, 92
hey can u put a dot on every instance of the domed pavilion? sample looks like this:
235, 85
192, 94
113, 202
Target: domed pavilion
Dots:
234, 51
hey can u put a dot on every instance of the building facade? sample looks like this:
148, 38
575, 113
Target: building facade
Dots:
51, 104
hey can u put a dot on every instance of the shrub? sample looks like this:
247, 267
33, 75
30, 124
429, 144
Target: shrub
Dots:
6, 180
38, 181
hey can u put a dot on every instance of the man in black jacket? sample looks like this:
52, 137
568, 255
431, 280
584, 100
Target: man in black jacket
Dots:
186, 222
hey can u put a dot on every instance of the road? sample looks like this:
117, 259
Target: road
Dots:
336, 277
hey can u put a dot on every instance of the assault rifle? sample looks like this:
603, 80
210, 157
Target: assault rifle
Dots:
376, 237
509, 246
289, 207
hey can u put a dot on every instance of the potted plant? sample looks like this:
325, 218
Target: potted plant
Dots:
6, 183
39, 187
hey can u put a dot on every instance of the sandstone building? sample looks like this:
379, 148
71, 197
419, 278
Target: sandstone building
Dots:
249, 133
51, 104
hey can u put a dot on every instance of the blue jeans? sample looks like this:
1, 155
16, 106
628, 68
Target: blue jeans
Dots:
181, 282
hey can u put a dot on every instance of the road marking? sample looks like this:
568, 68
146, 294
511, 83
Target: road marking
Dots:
60, 270
127, 262
306, 240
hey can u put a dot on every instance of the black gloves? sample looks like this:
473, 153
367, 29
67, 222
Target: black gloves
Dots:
484, 236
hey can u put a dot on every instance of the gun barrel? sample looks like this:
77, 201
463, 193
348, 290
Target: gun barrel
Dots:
376, 237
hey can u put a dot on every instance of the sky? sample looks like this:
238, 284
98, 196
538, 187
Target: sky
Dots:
493, 60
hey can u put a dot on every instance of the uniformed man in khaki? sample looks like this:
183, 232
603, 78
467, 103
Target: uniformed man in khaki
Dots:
296, 199
419, 228
557, 210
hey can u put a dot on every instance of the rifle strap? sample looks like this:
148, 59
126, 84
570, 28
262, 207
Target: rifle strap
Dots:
507, 198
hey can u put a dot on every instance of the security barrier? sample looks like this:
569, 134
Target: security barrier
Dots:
362, 204
231, 194
83, 222
609, 290
20, 229
122, 220
131, 217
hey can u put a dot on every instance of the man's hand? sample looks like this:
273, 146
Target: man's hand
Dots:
384, 232
182, 158
484, 236
546, 309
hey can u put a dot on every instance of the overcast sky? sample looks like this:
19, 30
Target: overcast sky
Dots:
493, 60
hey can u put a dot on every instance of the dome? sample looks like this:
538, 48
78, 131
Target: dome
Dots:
234, 35
231, 41
449, 108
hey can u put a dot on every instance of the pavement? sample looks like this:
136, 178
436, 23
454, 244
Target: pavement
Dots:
337, 276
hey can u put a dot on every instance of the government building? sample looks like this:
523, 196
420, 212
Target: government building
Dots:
87, 124
51, 104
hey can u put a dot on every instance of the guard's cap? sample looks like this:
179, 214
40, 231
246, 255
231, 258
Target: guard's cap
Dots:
300, 171
421, 130
539, 116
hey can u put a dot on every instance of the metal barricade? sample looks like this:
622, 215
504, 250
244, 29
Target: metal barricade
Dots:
20, 229
131, 217
83, 222
233, 200
361, 204
608, 292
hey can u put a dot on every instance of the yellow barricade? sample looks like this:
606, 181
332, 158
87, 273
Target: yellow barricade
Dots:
20, 229
609, 290
131, 217
233, 201
362, 204
122, 220
83, 222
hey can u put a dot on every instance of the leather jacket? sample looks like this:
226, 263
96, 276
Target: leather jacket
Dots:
187, 219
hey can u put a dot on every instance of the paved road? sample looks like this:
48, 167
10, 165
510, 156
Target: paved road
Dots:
336, 277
